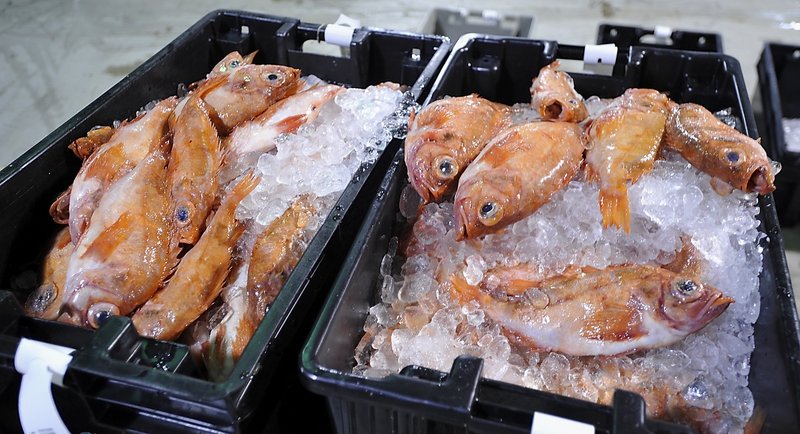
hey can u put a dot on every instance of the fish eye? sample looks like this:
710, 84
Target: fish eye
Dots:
490, 213
446, 168
100, 313
732, 156
687, 287
273, 76
234, 63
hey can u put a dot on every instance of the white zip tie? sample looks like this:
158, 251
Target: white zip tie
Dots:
544, 423
341, 32
600, 59
40, 364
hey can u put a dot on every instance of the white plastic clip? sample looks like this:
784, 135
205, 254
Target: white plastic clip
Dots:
490, 15
341, 32
600, 59
662, 34
544, 423
40, 365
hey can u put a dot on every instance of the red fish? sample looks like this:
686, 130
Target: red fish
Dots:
553, 95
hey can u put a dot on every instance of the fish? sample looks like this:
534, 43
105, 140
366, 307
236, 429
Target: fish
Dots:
718, 149
247, 92
200, 275
594, 312
268, 257
193, 166
45, 301
624, 141
128, 249
515, 174
129, 145
444, 137
553, 95
251, 139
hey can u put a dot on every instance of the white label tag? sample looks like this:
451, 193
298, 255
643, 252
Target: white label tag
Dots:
544, 423
600, 59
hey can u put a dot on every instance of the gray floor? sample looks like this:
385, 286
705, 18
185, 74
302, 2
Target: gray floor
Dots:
58, 56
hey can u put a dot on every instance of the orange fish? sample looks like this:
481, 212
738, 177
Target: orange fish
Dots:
128, 146
624, 141
194, 163
127, 249
96, 137
199, 277
444, 137
45, 301
553, 95
248, 91
592, 312
718, 149
515, 174
255, 284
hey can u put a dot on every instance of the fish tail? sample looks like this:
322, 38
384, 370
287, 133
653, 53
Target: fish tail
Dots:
614, 208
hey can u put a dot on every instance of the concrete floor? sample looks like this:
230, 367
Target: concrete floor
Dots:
58, 56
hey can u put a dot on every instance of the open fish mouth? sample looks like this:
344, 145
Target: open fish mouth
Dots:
760, 181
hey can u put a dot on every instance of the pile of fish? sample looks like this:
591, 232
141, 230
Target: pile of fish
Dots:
177, 218
579, 246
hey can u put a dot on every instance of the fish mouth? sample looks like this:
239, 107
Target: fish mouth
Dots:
461, 224
710, 310
761, 181
552, 109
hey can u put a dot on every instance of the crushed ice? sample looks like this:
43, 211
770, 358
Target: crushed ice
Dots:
705, 375
322, 157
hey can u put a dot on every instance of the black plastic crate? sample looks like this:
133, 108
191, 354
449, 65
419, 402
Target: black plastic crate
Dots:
779, 88
422, 400
118, 380
628, 36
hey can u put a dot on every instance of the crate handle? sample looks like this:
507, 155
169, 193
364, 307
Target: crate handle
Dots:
41, 364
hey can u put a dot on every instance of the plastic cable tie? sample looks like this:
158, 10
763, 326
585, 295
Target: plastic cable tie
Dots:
341, 32
544, 423
40, 364
600, 59
662, 32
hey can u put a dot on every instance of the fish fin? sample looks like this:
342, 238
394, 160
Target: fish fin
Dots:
59, 210
247, 184
614, 207
102, 247
591, 175
615, 322
721, 187
291, 123
687, 260
85, 146
247, 60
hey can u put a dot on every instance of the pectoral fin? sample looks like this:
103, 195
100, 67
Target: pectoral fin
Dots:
616, 322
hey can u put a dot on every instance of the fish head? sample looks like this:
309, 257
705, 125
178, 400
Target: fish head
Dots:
272, 79
485, 203
44, 302
648, 99
433, 166
688, 304
740, 160
92, 304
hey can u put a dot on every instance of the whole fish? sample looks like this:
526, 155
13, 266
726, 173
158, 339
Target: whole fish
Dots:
45, 301
515, 174
248, 91
193, 166
269, 255
128, 146
128, 248
553, 95
593, 312
624, 141
718, 149
251, 139
199, 277
444, 137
